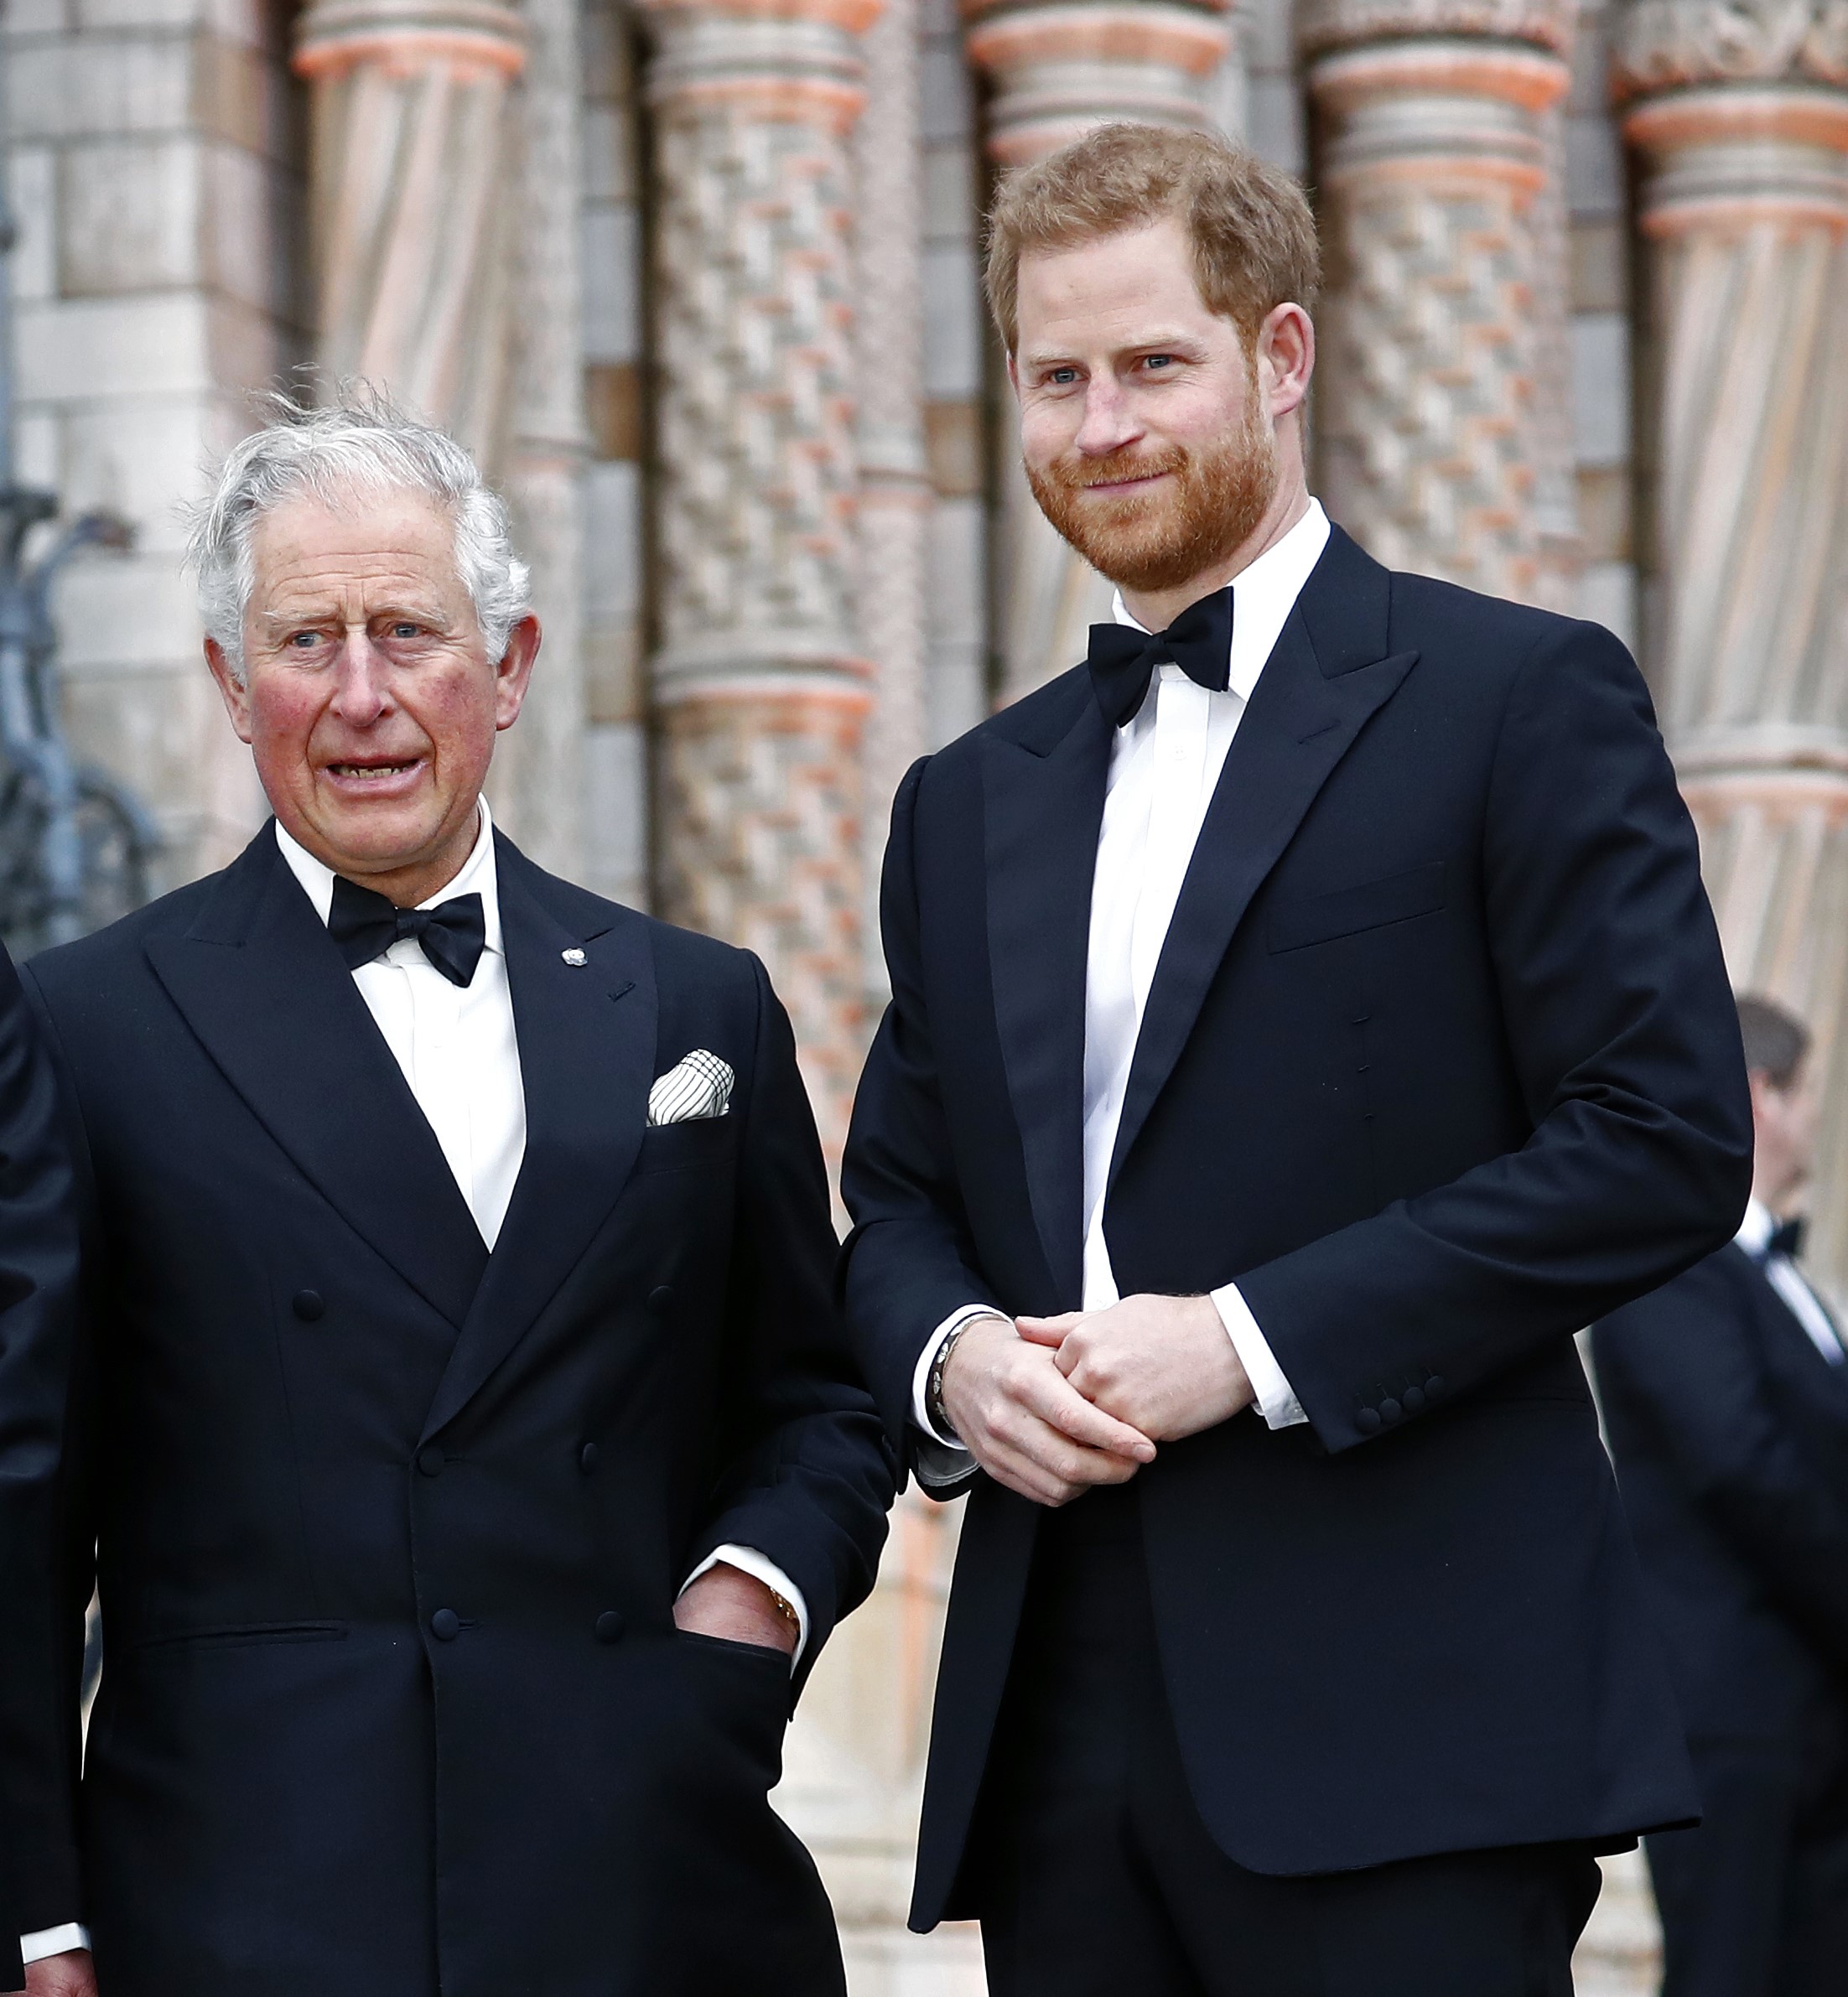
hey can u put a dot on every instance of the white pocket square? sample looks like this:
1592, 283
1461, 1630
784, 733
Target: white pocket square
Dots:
698, 1086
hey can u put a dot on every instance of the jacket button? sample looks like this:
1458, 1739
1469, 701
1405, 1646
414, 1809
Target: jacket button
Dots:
306, 1305
445, 1626
609, 1627
660, 1300
1367, 1421
1435, 1387
1390, 1410
430, 1459
587, 1458
1413, 1399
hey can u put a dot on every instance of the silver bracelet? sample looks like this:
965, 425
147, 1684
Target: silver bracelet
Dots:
933, 1386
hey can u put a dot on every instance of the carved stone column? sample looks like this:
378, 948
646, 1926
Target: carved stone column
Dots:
1739, 115
894, 487
538, 780
1057, 69
761, 686
410, 176
1444, 256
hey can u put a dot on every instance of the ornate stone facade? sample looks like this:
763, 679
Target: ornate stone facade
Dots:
410, 160
760, 685
1442, 241
1739, 114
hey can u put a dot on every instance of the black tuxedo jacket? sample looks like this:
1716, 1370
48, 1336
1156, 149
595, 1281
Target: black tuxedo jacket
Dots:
1440, 1062
37, 1296
388, 1529
1730, 1431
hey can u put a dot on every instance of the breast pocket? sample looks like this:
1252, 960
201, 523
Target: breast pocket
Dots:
1347, 912
699, 1141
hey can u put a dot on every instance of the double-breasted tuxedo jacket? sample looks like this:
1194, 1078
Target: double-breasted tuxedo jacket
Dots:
388, 1529
1439, 1062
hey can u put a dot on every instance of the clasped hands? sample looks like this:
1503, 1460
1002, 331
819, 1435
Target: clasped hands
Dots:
1049, 1406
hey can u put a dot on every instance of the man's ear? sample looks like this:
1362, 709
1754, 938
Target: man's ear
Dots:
514, 674
231, 690
1286, 357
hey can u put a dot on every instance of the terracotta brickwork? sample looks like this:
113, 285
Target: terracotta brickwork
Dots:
1442, 239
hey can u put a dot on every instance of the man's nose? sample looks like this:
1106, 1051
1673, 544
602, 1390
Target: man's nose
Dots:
1109, 423
360, 693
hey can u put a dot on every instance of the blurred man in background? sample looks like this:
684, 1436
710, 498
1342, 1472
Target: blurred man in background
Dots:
1726, 1396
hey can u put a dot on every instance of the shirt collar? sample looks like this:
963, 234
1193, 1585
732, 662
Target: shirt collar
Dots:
1757, 1228
477, 877
1263, 593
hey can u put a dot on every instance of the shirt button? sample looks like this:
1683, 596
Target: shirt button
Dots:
308, 1306
445, 1626
430, 1459
1367, 1421
608, 1626
1390, 1411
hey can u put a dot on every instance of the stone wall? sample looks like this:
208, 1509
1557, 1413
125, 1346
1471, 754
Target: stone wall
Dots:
156, 153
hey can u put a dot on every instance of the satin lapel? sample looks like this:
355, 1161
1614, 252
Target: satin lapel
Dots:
1299, 726
264, 989
1043, 805
587, 1048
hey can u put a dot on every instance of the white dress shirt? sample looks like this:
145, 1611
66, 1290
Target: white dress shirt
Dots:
458, 1052
1754, 1237
1164, 766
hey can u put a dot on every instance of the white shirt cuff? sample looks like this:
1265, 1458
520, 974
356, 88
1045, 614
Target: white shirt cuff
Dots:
54, 1941
748, 1560
1276, 1399
920, 1380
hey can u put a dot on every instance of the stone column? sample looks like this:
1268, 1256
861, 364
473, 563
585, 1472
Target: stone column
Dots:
539, 767
761, 686
411, 168
1740, 121
894, 487
1055, 69
1446, 268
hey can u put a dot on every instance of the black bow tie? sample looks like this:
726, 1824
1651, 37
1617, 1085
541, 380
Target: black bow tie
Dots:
364, 926
1787, 1238
1122, 659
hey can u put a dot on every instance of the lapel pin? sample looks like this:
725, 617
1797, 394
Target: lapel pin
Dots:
575, 959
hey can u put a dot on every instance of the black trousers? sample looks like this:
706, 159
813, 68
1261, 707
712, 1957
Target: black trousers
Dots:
1094, 1876
1754, 1902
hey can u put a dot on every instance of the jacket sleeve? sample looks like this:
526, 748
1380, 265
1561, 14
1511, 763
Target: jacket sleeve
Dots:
1689, 1369
806, 1477
1622, 1032
46, 1560
910, 1263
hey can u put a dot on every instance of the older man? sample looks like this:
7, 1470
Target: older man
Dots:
467, 1443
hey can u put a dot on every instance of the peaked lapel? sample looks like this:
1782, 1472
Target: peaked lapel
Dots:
260, 983
587, 1046
1043, 776
1330, 672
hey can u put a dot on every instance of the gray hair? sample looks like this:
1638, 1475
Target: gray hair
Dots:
360, 442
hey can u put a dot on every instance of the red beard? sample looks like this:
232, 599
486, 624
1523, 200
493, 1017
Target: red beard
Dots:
1160, 540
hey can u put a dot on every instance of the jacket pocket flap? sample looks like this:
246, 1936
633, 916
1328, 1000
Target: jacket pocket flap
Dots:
1371, 905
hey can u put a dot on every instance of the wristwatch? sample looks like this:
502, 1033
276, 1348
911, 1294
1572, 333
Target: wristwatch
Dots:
934, 1387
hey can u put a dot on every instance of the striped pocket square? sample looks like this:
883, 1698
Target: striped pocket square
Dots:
698, 1086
